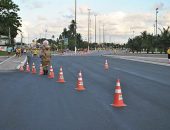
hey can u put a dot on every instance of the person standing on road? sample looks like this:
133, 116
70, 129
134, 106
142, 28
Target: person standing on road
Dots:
168, 51
9, 49
17, 52
45, 56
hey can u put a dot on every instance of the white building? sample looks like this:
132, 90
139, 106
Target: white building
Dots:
4, 40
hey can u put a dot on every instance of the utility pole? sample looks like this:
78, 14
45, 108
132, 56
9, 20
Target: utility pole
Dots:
154, 29
88, 28
28, 39
21, 39
9, 36
40, 35
110, 38
95, 31
99, 32
45, 33
90, 32
156, 21
75, 26
133, 34
103, 34
95, 28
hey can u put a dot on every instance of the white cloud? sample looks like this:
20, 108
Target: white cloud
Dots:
118, 25
41, 18
31, 4
159, 5
36, 5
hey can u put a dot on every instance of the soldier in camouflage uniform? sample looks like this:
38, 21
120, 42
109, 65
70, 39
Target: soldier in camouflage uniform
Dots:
45, 57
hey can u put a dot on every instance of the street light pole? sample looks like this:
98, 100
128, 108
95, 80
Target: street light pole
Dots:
9, 35
75, 26
21, 40
95, 27
45, 33
154, 29
99, 32
88, 28
133, 34
103, 34
156, 21
95, 30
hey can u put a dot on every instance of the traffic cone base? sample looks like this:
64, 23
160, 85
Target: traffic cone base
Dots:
28, 70
21, 68
41, 70
27, 67
80, 88
41, 73
51, 75
33, 69
106, 67
60, 81
119, 105
61, 78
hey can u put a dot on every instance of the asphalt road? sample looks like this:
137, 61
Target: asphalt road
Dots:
2, 58
32, 102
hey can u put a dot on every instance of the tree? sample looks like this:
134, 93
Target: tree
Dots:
72, 28
165, 38
9, 18
70, 34
147, 42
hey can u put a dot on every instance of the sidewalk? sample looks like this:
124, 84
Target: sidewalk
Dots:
146, 59
12, 63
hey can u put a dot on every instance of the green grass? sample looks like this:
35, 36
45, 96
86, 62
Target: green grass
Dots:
4, 53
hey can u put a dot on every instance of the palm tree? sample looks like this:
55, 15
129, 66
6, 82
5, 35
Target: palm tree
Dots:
72, 27
65, 33
147, 42
165, 38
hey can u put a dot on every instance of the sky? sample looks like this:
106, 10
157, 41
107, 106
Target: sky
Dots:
122, 19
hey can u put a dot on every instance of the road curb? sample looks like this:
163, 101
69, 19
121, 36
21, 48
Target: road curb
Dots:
144, 61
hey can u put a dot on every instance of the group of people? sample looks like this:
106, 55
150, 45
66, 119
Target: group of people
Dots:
18, 52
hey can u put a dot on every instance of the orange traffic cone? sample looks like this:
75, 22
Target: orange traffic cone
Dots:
51, 73
27, 68
80, 86
33, 68
21, 68
60, 76
41, 70
118, 99
106, 66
